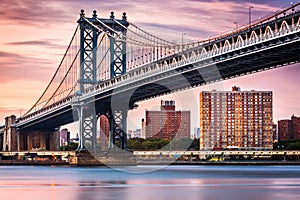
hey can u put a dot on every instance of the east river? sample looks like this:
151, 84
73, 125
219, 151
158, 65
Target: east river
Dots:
150, 182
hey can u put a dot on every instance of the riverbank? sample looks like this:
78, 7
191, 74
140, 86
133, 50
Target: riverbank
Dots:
125, 158
144, 163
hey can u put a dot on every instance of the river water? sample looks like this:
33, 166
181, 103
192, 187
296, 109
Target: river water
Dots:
150, 183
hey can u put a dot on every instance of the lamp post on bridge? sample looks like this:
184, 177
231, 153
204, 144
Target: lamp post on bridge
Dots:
236, 25
182, 39
250, 7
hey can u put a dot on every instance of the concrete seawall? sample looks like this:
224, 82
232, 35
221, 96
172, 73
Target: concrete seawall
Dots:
124, 158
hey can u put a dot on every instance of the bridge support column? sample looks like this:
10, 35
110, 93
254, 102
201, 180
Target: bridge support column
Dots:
87, 120
88, 76
90, 29
118, 128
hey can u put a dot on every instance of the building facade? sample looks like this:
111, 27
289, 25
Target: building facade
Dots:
143, 135
134, 133
236, 120
103, 136
275, 133
64, 137
289, 129
167, 123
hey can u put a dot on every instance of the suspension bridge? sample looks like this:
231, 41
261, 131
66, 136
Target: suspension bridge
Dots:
111, 64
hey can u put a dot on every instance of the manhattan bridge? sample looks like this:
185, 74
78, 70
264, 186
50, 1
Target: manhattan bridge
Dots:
111, 64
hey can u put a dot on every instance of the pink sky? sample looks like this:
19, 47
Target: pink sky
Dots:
35, 35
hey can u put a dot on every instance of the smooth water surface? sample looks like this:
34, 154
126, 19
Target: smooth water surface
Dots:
150, 182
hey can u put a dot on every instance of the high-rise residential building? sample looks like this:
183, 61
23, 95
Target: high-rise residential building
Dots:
289, 129
64, 137
236, 119
167, 123
275, 132
143, 135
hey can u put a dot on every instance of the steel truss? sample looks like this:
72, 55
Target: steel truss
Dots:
88, 76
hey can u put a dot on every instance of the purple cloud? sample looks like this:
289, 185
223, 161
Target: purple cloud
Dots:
32, 12
44, 42
18, 67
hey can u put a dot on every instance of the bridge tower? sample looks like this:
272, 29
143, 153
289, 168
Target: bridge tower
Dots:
90, 29
10, 135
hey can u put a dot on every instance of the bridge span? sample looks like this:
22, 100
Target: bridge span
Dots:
111, 64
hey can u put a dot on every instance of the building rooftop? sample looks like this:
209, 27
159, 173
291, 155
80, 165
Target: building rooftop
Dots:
234, 89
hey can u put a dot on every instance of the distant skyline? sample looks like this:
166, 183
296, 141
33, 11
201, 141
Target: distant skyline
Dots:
35, 35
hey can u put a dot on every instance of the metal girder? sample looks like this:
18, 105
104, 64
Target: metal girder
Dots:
88, 76
118, 126
89, 126
88, 53
88, 46
117, 56
86, 115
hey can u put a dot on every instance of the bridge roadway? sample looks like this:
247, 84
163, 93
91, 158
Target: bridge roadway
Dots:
261, 47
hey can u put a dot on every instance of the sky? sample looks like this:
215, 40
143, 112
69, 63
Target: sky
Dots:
34, 35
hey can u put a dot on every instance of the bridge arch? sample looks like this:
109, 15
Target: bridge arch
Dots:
298, 23
165, 63
227, 45
215, 49
174, 61
253, 37
239, 41
268, 32
284, 27
203, 52
156, 66
193, 54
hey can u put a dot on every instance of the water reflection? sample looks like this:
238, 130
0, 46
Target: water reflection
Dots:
174, 182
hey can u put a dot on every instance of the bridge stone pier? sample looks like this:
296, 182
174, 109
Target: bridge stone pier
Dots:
13, 139
38, 139
10, 136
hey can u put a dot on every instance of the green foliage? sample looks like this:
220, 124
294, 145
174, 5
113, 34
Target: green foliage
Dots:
287, 144
293, 146
70, 147
153, 144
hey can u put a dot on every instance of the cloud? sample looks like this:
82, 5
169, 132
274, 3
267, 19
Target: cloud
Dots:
15, 66
4, 111
32, 12
45, 43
